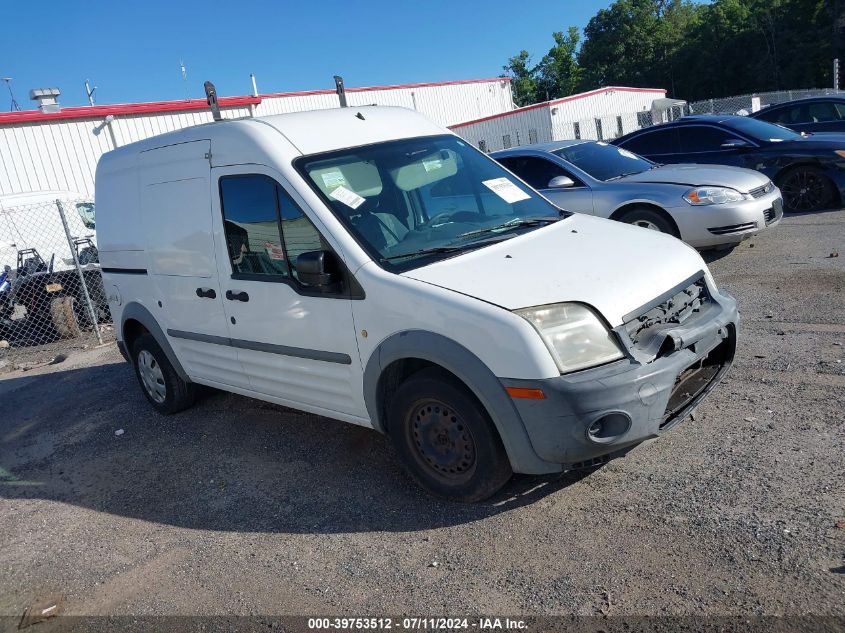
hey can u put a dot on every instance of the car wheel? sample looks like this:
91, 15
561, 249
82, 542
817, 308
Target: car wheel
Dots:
162, 386
650, 219
63, 317
445, 440
806, 189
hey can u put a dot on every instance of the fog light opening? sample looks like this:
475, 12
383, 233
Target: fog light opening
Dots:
609, 428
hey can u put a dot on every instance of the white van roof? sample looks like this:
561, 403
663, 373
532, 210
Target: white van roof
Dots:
306, 132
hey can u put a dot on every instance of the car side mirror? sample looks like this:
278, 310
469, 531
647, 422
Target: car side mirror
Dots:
319, 269
561, 182
735, 143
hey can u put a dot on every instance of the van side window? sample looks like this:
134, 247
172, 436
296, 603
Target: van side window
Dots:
299, 234
251, 221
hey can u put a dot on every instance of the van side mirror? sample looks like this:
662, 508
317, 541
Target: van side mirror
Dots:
735, 143
561, 182
318, 268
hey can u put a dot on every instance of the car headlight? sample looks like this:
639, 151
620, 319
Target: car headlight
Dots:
575, 336
712, 195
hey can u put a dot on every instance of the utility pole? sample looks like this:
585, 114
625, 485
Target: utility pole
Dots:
15, 107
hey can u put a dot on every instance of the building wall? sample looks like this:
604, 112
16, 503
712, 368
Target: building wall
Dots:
43, 152
605, 113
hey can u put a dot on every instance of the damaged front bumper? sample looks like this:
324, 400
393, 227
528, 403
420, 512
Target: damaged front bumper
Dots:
672, 363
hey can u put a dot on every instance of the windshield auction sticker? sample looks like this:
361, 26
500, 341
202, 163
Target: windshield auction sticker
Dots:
506, 190
347, 197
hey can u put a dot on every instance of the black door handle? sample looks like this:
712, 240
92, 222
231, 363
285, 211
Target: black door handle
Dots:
237, 296
206, 293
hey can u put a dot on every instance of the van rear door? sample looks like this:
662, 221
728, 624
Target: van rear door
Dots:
176, 216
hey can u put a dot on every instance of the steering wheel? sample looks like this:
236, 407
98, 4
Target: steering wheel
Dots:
443, 215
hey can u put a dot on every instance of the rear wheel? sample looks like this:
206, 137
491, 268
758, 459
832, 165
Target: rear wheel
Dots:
445, 440
650, 219
806, 189
162, 386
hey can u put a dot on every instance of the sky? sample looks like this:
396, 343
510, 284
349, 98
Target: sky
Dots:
131, 50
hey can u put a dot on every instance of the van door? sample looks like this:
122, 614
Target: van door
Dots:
176, 214
297, 345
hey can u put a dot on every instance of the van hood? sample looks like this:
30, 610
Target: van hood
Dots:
615, 268
743, 180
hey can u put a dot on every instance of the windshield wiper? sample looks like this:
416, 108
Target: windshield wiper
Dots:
627, 173
511, 225
433, 250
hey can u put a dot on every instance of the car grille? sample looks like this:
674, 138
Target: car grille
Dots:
733, 228
677, 309
759, 192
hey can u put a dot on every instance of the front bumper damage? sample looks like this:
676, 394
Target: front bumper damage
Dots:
678, 348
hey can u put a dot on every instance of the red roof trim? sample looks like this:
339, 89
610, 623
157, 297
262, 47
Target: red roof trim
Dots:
553, 102
97, 112
388, 87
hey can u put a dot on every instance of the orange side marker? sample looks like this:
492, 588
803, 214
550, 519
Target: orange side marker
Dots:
524, 392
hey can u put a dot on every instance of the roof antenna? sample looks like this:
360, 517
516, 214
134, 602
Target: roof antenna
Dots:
89, 92
211, 98
341, 91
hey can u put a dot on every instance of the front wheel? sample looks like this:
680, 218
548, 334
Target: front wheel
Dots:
162, 386
806, 189
445, 440
650, 219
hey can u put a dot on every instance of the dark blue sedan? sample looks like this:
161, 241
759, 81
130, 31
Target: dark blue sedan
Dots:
809, 169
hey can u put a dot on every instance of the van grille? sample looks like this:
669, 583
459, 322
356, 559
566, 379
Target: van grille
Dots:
677, 309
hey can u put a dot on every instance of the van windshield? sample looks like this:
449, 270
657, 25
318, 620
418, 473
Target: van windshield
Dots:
413, 201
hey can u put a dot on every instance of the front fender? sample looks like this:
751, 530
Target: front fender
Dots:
455, 358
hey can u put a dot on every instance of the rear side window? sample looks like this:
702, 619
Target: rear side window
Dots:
821, 111
653, 143
702, 138
537, 172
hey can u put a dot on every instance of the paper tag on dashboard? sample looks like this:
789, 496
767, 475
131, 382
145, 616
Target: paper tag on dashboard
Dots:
347, 197
506, 190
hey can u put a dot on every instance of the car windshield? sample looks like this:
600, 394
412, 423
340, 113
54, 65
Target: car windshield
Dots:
761, 130
412, 201
603, 161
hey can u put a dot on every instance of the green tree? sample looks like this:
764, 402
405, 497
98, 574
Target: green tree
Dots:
559, 72
635, 42
523, 78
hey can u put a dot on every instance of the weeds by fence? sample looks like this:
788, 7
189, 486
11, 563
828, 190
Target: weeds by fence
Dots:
52, 298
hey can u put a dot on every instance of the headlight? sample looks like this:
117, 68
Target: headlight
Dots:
712, 195
575, 336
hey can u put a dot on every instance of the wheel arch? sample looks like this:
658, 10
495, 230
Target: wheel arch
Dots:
778, 177
651, 206
137, 320
405, 353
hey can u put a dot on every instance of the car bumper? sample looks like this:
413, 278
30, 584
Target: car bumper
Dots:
731, 223
632, 400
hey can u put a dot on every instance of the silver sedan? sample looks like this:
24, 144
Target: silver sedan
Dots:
707, 206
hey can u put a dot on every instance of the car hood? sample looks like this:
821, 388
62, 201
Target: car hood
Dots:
743, 180
615, 268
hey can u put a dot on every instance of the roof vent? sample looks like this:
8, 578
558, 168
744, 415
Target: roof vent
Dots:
47, 98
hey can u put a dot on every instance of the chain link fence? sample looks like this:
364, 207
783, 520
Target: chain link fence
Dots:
745, 104
52, 299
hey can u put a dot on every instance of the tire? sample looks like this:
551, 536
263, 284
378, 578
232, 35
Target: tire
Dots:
806, 189
63, 317
160, 383
650, 219
430, 410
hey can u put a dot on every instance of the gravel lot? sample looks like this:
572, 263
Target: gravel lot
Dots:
241, 507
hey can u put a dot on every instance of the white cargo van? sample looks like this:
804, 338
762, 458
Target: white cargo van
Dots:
367, 265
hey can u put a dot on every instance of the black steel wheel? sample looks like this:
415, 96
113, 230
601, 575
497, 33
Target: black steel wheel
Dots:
445, 440
806, 189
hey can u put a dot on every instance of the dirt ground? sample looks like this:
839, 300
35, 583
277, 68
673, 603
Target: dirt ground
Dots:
241, 507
